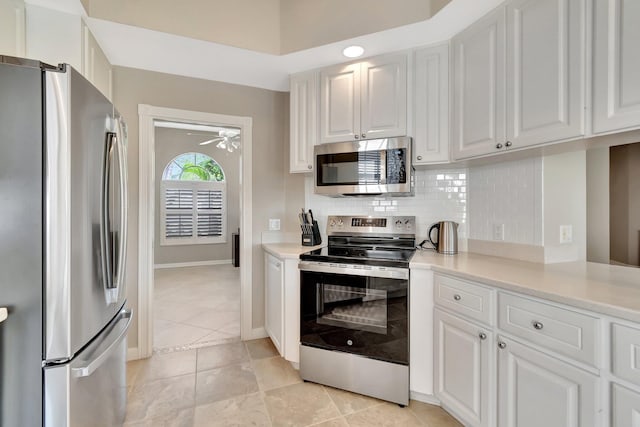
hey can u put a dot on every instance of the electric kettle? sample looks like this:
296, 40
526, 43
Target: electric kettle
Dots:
446, 237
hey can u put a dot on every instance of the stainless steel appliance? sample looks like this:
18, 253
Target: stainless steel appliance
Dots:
369, 167
446, 237
63, 239
354, 303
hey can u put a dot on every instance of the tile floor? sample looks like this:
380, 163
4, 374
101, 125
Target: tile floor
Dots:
196, 306
248, 384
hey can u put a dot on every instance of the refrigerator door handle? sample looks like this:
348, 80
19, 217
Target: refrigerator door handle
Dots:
109, 345
122, 241
105, 223
4, 313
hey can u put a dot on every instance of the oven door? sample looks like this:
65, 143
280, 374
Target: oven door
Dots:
355, 313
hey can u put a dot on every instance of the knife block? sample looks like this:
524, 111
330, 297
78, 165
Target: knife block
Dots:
311, 234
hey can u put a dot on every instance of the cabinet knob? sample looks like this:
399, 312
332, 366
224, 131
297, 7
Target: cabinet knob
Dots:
537, 325
309, 166
482, 336
502, 344
508, 144
356, 136
499, 145
364, 135
457, 297
419, 157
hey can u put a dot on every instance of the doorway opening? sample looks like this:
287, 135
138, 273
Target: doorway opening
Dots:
195, 194
196, 286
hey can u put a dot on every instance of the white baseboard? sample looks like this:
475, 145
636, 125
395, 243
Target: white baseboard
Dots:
133, 353
424, 398
256, 333
192, 264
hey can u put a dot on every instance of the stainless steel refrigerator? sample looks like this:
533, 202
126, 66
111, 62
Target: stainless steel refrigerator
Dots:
63, 208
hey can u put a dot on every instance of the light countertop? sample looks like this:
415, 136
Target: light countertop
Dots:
606, 289
288, 250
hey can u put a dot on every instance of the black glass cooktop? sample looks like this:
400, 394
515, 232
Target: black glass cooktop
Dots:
381, 252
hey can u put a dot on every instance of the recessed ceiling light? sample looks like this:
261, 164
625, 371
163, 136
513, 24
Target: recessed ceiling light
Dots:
353, 51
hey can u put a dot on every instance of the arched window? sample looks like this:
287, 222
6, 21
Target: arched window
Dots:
193, 201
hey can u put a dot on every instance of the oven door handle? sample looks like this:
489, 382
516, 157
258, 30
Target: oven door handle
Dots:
355, 270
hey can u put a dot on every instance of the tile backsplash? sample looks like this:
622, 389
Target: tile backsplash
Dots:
440, 194
508, 194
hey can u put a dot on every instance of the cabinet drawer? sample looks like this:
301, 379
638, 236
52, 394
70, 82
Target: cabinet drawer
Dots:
625, 347
559, 329
466, 298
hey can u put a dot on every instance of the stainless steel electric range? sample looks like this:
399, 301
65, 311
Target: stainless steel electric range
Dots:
354, 300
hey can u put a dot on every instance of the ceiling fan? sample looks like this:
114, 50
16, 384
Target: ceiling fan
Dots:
227, 139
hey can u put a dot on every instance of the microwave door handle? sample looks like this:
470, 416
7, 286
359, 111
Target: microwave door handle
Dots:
105, 220
383, 166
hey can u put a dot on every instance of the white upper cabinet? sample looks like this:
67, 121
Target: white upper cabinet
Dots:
364, 100
519, 76
96, 67
478, 112
303, 101
431, 105
545, 71
616, 65
12, 28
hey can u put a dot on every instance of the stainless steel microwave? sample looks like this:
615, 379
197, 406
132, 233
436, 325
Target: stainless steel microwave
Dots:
367, 167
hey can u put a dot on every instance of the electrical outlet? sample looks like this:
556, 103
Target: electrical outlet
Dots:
566, 234
274, 224
498, 232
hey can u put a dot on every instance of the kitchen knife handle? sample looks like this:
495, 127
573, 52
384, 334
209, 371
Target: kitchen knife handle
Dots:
4, 313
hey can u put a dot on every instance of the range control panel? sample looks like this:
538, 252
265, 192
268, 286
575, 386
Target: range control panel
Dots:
388, 225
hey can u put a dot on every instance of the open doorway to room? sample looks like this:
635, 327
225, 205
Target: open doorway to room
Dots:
227, 134
196, 274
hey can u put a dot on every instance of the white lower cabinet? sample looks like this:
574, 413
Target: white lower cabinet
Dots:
273, 296
464, 369
536, 389
282, 305
625, 407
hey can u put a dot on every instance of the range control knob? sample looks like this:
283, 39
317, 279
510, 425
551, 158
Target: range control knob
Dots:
340, 223
398, 224
407, 224
332, 223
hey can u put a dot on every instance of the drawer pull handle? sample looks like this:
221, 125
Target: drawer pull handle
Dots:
457, 297
482, 336
537, 325
502, 344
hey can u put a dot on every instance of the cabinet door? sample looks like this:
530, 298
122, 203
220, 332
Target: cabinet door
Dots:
545, 71
383, 111
12, 28
97, 68
625, 407
535, 389
273, 277
464, 362
340, 103
303, 99
431, 105
616, 72
478, 112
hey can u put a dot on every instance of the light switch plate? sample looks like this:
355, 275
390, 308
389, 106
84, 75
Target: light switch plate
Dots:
274, 224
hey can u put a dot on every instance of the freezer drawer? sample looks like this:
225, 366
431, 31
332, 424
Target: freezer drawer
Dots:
90, 390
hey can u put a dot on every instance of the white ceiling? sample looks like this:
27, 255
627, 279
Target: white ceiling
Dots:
136, 47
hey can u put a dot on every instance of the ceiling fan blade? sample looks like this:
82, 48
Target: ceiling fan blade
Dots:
210, 141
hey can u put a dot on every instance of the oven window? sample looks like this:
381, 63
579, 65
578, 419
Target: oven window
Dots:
356, 314
353, 308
